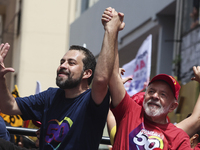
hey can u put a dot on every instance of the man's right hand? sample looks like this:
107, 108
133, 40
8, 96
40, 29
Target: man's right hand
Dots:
3, 53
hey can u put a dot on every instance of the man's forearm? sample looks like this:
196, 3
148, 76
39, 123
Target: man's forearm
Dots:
7, 101
107, 56
106, 59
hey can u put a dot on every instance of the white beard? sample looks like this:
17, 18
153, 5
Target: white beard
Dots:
155, 110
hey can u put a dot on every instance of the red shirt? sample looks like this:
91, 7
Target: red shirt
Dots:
135, 132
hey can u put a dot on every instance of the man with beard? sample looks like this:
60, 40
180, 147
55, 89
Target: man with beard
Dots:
190, 124
145, 127
72, 116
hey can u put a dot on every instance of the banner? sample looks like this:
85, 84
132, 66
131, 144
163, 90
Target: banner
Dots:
139, 68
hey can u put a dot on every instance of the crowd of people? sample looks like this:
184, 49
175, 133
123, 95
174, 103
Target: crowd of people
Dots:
73, 116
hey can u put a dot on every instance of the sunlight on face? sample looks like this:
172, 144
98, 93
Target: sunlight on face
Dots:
158, 99
70, 71
154, 109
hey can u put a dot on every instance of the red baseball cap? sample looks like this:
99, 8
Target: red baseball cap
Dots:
171, 81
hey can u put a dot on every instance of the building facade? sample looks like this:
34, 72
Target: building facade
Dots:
38, 33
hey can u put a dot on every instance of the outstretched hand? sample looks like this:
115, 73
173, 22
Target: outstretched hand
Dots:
196, 71
3, 53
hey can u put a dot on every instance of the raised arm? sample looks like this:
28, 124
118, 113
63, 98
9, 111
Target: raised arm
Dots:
192, 124
116, 87
106, 57
111, 123
8, 104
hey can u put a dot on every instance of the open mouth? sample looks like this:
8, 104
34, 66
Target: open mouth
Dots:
153, 104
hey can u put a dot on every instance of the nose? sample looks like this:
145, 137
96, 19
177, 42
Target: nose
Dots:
64, 65
155, 96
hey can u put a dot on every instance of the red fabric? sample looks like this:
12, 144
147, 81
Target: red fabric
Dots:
133, 128
138, 98
197, 147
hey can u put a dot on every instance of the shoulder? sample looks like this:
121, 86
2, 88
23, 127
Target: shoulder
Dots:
176, 131
127, 105
138, 98
51, 92
85, 95
176, 134
88, 91
51, 89
129, 101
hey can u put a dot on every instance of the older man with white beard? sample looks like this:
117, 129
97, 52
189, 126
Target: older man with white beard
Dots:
159, 98
145, 127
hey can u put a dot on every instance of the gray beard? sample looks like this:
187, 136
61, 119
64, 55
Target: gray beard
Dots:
154, 113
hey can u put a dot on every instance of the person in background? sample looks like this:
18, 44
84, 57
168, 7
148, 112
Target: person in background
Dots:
26, 144
4, 134
37, 143
195, 139
195, 14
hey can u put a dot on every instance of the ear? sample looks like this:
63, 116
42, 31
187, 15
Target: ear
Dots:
193, 138
173, 106
196, 136
87, 73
